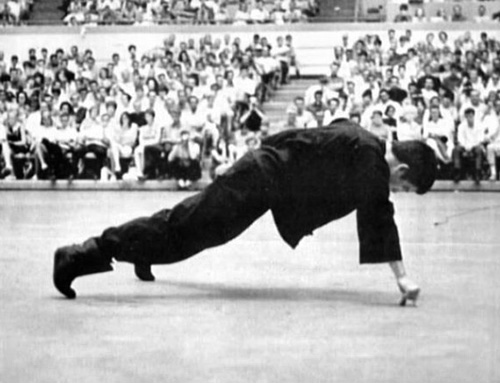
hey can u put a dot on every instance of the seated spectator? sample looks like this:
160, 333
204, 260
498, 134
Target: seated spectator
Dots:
22, 105
6, 167
438, 134
288, 122
419, 16
493, 83
184, 160
403, 16
302, 117
481, 15
317, 106
221, 159
456, 13
93, 138
13, 11
378, 127
268, 68
193, 119
389, 117
323, 87
293, 57
428, 91
243, 141
75, 13
254, 118
470, 143
475, 103
55, 148
259, 14
18, 148
149, 141
123, 139
242, 16
491, 123
439, 17
453, 81
384, 101
407, 129
335, 81
333, 112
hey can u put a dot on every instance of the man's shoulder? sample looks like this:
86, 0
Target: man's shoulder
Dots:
339, 130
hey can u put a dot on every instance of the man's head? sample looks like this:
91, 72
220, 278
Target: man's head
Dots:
469, 116
377, 118
384, 95
413, 166
434, 113
299, 104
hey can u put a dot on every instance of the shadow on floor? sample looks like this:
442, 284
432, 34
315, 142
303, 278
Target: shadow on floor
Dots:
199, 291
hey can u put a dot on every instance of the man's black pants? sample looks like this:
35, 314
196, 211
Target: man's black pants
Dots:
213, 217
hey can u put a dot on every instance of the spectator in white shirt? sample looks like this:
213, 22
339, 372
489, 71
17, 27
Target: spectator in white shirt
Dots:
379, 128
303, 119
407, 128
93, 139
428, 91
245, 85
492, 124
193, 119
333, 112
184, 160
481, 15
384, 101
309, 97
470, 142
241, 16
476, 103
493, 83
438, 134
259, 14
149, 136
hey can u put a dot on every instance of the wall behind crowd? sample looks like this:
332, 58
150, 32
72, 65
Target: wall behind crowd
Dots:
313, 42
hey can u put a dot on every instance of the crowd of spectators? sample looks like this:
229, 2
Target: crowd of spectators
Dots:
188, 105
156, 114
444, 92
456, 15
144, 12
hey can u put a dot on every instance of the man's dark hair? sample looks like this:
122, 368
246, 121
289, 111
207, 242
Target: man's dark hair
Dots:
421, 161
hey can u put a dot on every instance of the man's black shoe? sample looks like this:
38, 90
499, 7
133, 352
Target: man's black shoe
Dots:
74, 261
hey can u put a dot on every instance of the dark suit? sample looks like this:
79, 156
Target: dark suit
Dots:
307, 178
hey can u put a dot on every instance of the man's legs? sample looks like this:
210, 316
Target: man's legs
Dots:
478, 154
211, 218
152, 160
457, 154
139, 160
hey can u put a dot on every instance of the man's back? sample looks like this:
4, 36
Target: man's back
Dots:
321, 175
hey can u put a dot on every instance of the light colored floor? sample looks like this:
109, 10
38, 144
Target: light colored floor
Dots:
253, 310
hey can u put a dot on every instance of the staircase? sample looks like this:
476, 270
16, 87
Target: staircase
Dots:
281, 99
47, 12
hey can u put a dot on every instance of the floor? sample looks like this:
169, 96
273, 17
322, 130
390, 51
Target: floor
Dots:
253, 310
